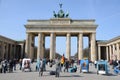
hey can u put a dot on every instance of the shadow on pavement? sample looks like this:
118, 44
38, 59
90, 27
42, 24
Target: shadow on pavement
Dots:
71, 76
90, 72
109, 74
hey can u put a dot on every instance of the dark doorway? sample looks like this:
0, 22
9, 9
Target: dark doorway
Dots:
103, 53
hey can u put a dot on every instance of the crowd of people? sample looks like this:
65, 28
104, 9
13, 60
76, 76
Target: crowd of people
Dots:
61, 65
115, 63
7, 65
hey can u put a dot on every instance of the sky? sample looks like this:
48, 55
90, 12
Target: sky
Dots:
15, 13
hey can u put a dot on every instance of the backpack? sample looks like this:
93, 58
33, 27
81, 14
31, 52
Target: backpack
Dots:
52, 72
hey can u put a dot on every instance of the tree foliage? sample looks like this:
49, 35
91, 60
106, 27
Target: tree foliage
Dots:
47, 53
86, 52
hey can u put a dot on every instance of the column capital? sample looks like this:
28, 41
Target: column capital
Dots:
80, 33
68, 34
93, 33
99, 46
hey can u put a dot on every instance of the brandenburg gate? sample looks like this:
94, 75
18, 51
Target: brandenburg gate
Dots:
60, 25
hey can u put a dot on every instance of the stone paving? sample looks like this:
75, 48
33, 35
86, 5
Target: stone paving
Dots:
19, 75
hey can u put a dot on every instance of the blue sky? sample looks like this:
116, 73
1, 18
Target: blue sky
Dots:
15, 13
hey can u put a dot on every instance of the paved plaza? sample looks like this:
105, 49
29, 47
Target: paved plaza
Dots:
19, 75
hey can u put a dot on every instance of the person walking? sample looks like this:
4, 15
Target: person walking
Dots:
20, 64
0, 67
38, 65
4, 65
41, 68
57, 68
66, 65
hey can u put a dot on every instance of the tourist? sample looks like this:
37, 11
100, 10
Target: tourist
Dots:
4, 65
44, 64
0, 67
11, 65
115, 63
95, 63
62, 60
41, 67
20, 63
14, 64
58, 66
51, 63
66, 65
38, 65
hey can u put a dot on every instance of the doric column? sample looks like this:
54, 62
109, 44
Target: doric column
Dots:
14, 50
52, 46
118, 51
114, 54
110, 50
32, 45
93, 46
11, 56
7, 50
80, 46
68, 46
0, 50
27, 46
99, 52
43, 45
3, 49
89, 46
107, 56
21, 55
40, 43
113, 49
